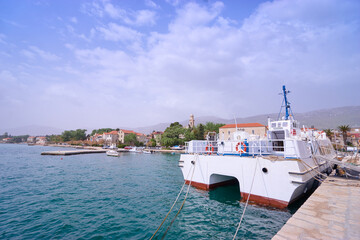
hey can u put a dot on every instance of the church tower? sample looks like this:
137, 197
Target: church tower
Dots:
191, 121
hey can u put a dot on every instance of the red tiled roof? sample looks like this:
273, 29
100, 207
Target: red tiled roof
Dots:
127, 131
112, 132
243, 125
140, 134
158, 132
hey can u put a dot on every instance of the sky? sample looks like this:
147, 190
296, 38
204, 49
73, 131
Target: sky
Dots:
102, 63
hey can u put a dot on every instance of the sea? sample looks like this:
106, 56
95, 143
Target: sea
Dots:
94, 196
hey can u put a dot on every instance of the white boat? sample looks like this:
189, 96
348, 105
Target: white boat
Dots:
132, 149
113, 153
147, 151
275, 170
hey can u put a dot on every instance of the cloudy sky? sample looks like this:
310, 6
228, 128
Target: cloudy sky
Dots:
102, 63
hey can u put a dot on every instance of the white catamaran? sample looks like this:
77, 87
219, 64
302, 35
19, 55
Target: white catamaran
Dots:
274, 170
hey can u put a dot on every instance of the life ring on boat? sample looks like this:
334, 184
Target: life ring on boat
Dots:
242, 148
293, 132
209, 149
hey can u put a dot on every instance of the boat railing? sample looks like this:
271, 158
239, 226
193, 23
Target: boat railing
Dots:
286, 148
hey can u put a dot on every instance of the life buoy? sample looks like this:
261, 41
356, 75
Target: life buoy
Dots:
209, 149
293, 132
242, 148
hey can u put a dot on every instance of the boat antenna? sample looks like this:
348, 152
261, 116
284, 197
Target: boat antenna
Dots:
286, 104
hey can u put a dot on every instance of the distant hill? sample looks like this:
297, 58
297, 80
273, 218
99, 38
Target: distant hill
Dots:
321, 119
33, 130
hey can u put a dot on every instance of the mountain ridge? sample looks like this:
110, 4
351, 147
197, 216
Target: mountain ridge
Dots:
321, 119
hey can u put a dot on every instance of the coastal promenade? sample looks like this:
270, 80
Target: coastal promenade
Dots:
331, 212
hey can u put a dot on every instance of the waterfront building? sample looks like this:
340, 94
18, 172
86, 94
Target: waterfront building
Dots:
123, 133
111, 137
157, 136
41, 140
31, 139
227, 131
141, 137
6, 140
96, 137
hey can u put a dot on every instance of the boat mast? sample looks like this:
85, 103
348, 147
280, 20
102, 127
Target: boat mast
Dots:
287, 104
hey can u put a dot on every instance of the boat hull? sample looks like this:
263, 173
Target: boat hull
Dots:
269, 182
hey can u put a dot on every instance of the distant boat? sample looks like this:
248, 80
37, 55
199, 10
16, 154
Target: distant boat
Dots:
132, 149
112, 153
31, 144
147, 151
177, 147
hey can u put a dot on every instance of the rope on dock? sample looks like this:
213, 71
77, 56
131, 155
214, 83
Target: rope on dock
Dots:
247, 201
182, 205
177, 198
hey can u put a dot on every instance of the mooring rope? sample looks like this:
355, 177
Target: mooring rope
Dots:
183, 203
177, 198
247, 201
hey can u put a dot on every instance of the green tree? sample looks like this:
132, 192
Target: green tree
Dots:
152, 142
78, 134
200, 132
172, 135
101, 131
328, 133
131, 139
344, 129
212, 127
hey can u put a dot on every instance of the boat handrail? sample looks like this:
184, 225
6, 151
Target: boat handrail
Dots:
285, 147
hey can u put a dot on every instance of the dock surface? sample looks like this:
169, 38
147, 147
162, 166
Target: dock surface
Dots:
331, 212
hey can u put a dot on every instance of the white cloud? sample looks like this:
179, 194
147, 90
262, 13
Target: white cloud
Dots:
203, 55
43, 54
33, 52
2, 37
207, 64
136, 18
73, 20
115, 32
151, 4
145, 17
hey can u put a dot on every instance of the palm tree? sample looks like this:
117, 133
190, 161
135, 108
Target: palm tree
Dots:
344, 129
328, 133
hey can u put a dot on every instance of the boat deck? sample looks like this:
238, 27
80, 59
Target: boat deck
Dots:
332, 212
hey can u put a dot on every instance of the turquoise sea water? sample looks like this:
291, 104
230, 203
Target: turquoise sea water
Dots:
94, 196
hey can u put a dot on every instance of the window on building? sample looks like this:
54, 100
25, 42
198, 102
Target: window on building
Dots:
253, 131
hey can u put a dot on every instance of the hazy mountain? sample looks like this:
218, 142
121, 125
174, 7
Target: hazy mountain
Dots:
33, 130
325, 118
321, 119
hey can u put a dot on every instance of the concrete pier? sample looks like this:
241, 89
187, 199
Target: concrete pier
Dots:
72, 152
331, 212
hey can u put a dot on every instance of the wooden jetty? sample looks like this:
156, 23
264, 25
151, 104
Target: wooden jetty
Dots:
331, 212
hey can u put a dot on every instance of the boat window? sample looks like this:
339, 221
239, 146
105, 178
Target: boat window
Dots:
294, 124
278, 140
285, 124
273, 125
279, 124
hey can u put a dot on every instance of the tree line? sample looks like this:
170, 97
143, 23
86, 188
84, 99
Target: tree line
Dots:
176, 134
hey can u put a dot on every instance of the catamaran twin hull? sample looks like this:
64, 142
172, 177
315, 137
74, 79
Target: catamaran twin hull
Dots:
270, 180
